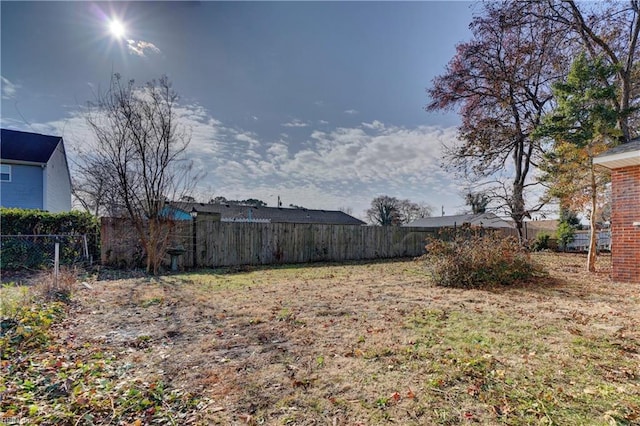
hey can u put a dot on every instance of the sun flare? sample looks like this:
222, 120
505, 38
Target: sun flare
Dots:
117, 29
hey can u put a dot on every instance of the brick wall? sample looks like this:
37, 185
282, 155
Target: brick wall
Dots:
625, 238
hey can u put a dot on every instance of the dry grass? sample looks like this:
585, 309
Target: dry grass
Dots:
376, 343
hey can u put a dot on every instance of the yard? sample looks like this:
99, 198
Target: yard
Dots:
328, 344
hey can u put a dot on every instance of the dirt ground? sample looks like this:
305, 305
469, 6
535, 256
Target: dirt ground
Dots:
375, 343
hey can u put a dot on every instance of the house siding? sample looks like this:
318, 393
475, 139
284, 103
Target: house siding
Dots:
625, 244
25, 189
57, 184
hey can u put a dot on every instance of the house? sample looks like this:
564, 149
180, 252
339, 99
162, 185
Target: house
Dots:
624, 163
486, 220
238, 213
34, 172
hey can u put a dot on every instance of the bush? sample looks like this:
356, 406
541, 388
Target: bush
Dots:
542, 242
566, 234
20, 252
31, 222
473, 261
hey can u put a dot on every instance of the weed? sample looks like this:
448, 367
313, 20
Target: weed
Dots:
382, 402
28, 329
150, 302
60, 287
285, 314
288, 316
12, 297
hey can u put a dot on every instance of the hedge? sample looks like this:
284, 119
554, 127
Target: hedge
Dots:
37, 222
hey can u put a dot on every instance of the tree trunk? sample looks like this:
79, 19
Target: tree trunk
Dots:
151, 248
593, 240
517, 209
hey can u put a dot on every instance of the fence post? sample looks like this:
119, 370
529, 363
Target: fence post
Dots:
194, 217
56, 264
86, 247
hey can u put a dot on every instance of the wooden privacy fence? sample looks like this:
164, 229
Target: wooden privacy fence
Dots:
229, 244
214, 243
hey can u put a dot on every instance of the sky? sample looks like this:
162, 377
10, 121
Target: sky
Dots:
319, 103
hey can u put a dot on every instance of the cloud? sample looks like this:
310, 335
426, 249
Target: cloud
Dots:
377, 125
331, 168
295, 123
351, 111
141, 48
9, 89
323, 122
248, 137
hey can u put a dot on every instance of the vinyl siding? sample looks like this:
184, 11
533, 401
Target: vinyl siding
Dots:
57, 195
25, 189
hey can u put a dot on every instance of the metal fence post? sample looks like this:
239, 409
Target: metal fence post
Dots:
56, 264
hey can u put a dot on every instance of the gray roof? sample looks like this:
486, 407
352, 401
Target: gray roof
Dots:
25, 146
625, 155
488, 220
632, 145
272, 214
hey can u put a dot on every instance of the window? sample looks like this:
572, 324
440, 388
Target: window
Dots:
5, 173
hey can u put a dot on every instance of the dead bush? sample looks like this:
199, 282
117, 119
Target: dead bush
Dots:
58, 288
473, 260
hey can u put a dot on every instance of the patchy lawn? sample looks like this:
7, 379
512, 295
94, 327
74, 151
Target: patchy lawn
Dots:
349, 344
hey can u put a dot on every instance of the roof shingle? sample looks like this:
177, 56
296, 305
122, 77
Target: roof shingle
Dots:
25, 146
231, 212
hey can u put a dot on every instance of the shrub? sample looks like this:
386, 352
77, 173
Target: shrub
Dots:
566, 234
24, 252
30, 222
473, 261
541, 242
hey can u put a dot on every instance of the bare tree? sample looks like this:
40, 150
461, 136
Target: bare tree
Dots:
141, 146
499, 82
387, 210
93, 181
410, 211
478, 201
384, 211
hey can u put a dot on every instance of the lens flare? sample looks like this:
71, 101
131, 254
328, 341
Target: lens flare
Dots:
117, 29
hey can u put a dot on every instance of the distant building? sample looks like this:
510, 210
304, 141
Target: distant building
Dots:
236, 213
486, 220
34, 172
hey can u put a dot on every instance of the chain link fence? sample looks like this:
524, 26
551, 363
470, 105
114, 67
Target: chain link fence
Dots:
38, 251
